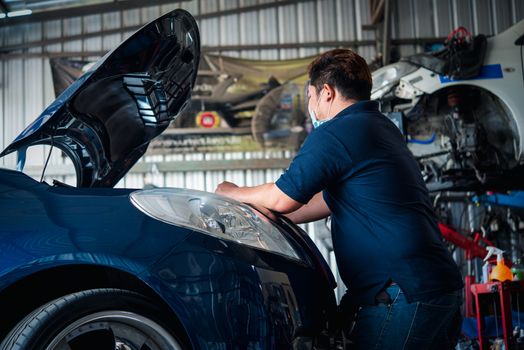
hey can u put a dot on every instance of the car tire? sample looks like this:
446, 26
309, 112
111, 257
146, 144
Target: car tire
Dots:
94, 319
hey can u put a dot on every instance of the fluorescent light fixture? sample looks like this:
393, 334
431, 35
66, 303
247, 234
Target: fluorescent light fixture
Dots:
19, 13
48, 3
3, 15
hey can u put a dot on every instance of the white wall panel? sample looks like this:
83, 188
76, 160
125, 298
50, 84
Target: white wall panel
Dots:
149, 13
272, 175
247, 2
502, 14
32, 86
363, 16
209, 6
249, 24
14, 95
250, 54
287, 24
109, 42
52, 30
228, 4
463, 14
134, 181
254, 177
235, 176
32, 83
47, 84
287, 30
213, 178
345, 12
249, 34
191, 6
327, 20
424, 21
443, 13
267, 24
72, 26
483, 22
154, 177
518, 10
175, 180
307, 27
111, 20
92, 23
403, 15
210, 32
32, 32
131, 17
229, 30
359, 19
194, 179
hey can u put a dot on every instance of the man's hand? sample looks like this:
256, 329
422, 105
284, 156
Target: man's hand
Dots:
226, 188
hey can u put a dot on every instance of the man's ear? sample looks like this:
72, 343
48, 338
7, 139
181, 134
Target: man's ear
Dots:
330, 93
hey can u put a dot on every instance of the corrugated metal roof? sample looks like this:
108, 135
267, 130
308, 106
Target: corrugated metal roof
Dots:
43, 5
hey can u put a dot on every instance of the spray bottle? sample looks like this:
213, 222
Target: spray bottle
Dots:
500, 272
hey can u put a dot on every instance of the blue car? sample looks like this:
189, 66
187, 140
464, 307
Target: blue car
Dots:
94, 267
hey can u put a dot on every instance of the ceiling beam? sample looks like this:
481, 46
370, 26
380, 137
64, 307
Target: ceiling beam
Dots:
65, 39
222, 48
244, 9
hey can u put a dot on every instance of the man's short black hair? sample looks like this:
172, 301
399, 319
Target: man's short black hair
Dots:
344, 70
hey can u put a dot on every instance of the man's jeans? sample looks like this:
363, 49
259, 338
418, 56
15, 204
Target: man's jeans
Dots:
397, 324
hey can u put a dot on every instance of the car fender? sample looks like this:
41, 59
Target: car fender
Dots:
116, 264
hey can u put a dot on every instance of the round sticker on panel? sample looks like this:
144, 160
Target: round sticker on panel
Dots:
208, 119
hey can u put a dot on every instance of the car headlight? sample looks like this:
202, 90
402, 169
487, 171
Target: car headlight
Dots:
214, 215
384, 78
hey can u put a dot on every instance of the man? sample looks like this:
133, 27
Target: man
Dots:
356, 167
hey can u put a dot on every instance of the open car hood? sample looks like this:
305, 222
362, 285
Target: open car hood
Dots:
105, 120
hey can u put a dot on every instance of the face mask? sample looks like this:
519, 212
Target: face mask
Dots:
316, 123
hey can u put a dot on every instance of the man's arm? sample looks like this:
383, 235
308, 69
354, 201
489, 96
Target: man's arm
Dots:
267, 195
314, 210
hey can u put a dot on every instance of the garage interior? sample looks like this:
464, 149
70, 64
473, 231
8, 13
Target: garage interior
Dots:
46, 43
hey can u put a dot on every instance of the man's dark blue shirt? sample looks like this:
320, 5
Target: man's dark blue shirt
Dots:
383, 225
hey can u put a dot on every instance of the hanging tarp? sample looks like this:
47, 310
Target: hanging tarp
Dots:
228, 93
251, 73
214, 69
65, 71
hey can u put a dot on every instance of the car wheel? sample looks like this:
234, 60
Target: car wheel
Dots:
102, 319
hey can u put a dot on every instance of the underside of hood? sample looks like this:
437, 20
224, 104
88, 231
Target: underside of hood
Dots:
105, 120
